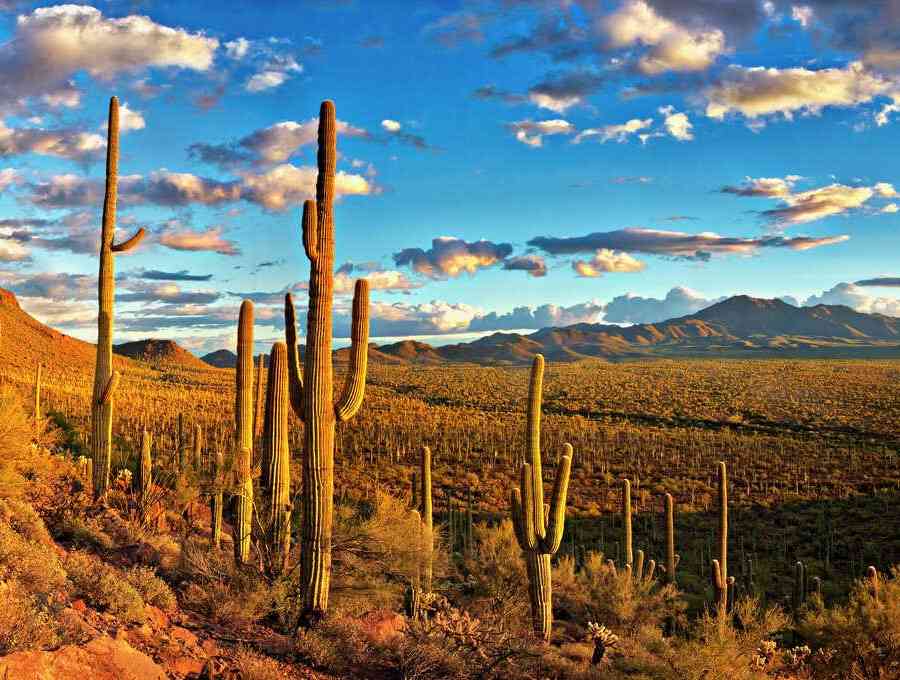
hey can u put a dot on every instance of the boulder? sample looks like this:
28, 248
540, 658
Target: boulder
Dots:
101, 659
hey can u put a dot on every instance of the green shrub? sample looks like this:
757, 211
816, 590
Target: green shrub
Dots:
104, 587
152, 589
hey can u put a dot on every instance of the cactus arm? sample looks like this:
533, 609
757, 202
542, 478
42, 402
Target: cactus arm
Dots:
557, 516
110, 388
310, 238
351, 397
716, 576
295, 375
125, 246
523, 511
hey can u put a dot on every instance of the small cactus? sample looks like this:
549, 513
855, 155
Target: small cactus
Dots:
145, 470
604, 641
539, 535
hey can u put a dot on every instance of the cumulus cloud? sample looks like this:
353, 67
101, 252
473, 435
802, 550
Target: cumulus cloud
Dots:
760, 91
129, 119
532, 133
670, 46
179, 237
287, 185
679, 301
52, 286
450, 257
606, 260
170, 293
855, 297
68, 143
618, 133
534, 265
12, 250
674, 243
268, 146
543, 316
390, 125
814, 204
276, 71
52, 44
677, 124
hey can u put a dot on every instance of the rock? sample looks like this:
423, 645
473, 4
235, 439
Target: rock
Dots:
100, 659
185, 666
183, 634
157, 617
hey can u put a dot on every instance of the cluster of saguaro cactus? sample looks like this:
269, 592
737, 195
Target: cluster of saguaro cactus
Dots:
539, 535
105, 379
312, 391
276, 457
243, 415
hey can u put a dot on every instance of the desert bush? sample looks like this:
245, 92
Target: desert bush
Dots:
495, 571
599, 593
226, 593
339, 645
103, 587
860, 639
35, 565
253, 666
152, 589
25, 621
84, 532
17, 432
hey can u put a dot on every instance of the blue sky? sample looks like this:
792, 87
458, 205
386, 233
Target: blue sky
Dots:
506, 165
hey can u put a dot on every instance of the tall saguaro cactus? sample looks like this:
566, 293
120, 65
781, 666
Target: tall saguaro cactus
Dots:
276, 456
720, 566
312, 395
243, 416
539, 534
671, 562
38, 411
215, 501
105, 379
626, 521
427, 521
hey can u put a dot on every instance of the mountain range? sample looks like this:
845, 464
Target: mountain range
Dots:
739, 326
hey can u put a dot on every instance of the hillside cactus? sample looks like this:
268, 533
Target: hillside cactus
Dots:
38, 411
105, 379
539, 535
243, 416
198, 448
276, 457
312, 396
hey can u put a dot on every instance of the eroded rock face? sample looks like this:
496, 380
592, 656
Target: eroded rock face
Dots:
100, 659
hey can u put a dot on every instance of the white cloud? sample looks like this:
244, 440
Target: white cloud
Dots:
532, 133
52, 44
557, 104
855, 297
671, 46
760, 91
606, 260
62, 143
618, 133
890, 208
677, 124
129, 119
391, 125
802, 14
237, 48
287, 185
679, 301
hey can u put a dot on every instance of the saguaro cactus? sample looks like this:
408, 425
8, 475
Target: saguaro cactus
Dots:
105, 379
145, 470
276, 456
539, 535
720, 566
670, 539
38, 412
312, 395
427, 522
215, 501
626, 521
198, 448
243, 416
